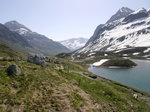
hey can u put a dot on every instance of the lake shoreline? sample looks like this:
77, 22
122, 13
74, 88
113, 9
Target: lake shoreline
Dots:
115, 63
115, 67
112, 75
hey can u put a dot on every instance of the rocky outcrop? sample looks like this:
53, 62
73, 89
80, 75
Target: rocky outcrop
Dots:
37, 60
123, 12
13, 70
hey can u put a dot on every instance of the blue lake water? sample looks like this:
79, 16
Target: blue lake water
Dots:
137, 77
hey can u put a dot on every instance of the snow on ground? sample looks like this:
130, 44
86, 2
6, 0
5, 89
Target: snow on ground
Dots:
105, 54
147, 50
140, 10
146, 56
136, 53
90, 54
100, 62
125, 54
129, 33
126, 57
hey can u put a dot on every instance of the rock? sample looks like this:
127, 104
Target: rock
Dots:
42, 63
18, 59
13, 69
57, 62
135, 96
37, 60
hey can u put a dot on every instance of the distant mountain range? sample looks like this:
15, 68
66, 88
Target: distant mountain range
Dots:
21, 38
127, 32
74, 43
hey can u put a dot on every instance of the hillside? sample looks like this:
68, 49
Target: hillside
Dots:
5, 51
64, 86
40, 43
14, 40
131, 32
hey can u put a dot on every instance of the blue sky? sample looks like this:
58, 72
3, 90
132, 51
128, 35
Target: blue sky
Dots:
63, 19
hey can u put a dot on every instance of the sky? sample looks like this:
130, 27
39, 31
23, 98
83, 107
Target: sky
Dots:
64, 19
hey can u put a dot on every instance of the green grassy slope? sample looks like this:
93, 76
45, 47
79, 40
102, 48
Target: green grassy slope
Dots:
50, 89
7, 52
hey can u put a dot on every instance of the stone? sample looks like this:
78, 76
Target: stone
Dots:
18, 59
135, 96
37, 60
13, 70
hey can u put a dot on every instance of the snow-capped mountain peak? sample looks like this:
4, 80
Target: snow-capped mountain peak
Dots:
17, 27
123, 12
140, 10
74, 43
148, 11
125, 9
130, 32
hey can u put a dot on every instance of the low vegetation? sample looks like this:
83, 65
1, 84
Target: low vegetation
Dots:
69, 88
7, 54
119, 62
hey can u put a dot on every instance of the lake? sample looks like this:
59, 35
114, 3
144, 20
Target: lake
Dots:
137, 77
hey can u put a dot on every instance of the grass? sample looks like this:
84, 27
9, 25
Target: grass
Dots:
76, 100
8, 54
31, 88
106, 93
50, 89
120, 62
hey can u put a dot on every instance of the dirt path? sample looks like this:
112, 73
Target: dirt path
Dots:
81, 73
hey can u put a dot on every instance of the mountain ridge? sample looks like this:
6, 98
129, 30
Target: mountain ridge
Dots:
128, 32
39, 42
122, 12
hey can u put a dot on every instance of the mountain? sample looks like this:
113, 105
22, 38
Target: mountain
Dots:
130, 34
39, 42
123, 12
14, 40
74, 43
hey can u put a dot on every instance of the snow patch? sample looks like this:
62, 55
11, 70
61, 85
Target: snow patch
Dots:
139, 11
100, 62
105, 54
136, 53
22, 31
90, 54
147, 50
125, 54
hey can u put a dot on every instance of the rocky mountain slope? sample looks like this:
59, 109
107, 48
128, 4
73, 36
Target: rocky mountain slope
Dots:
74, 43
14, 40
130, 33
39, 42
123, 12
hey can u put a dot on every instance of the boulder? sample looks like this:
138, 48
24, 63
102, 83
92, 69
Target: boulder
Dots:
37, 60
135, 96
13, 70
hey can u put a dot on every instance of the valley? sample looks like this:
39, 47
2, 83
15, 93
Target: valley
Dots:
107, 73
